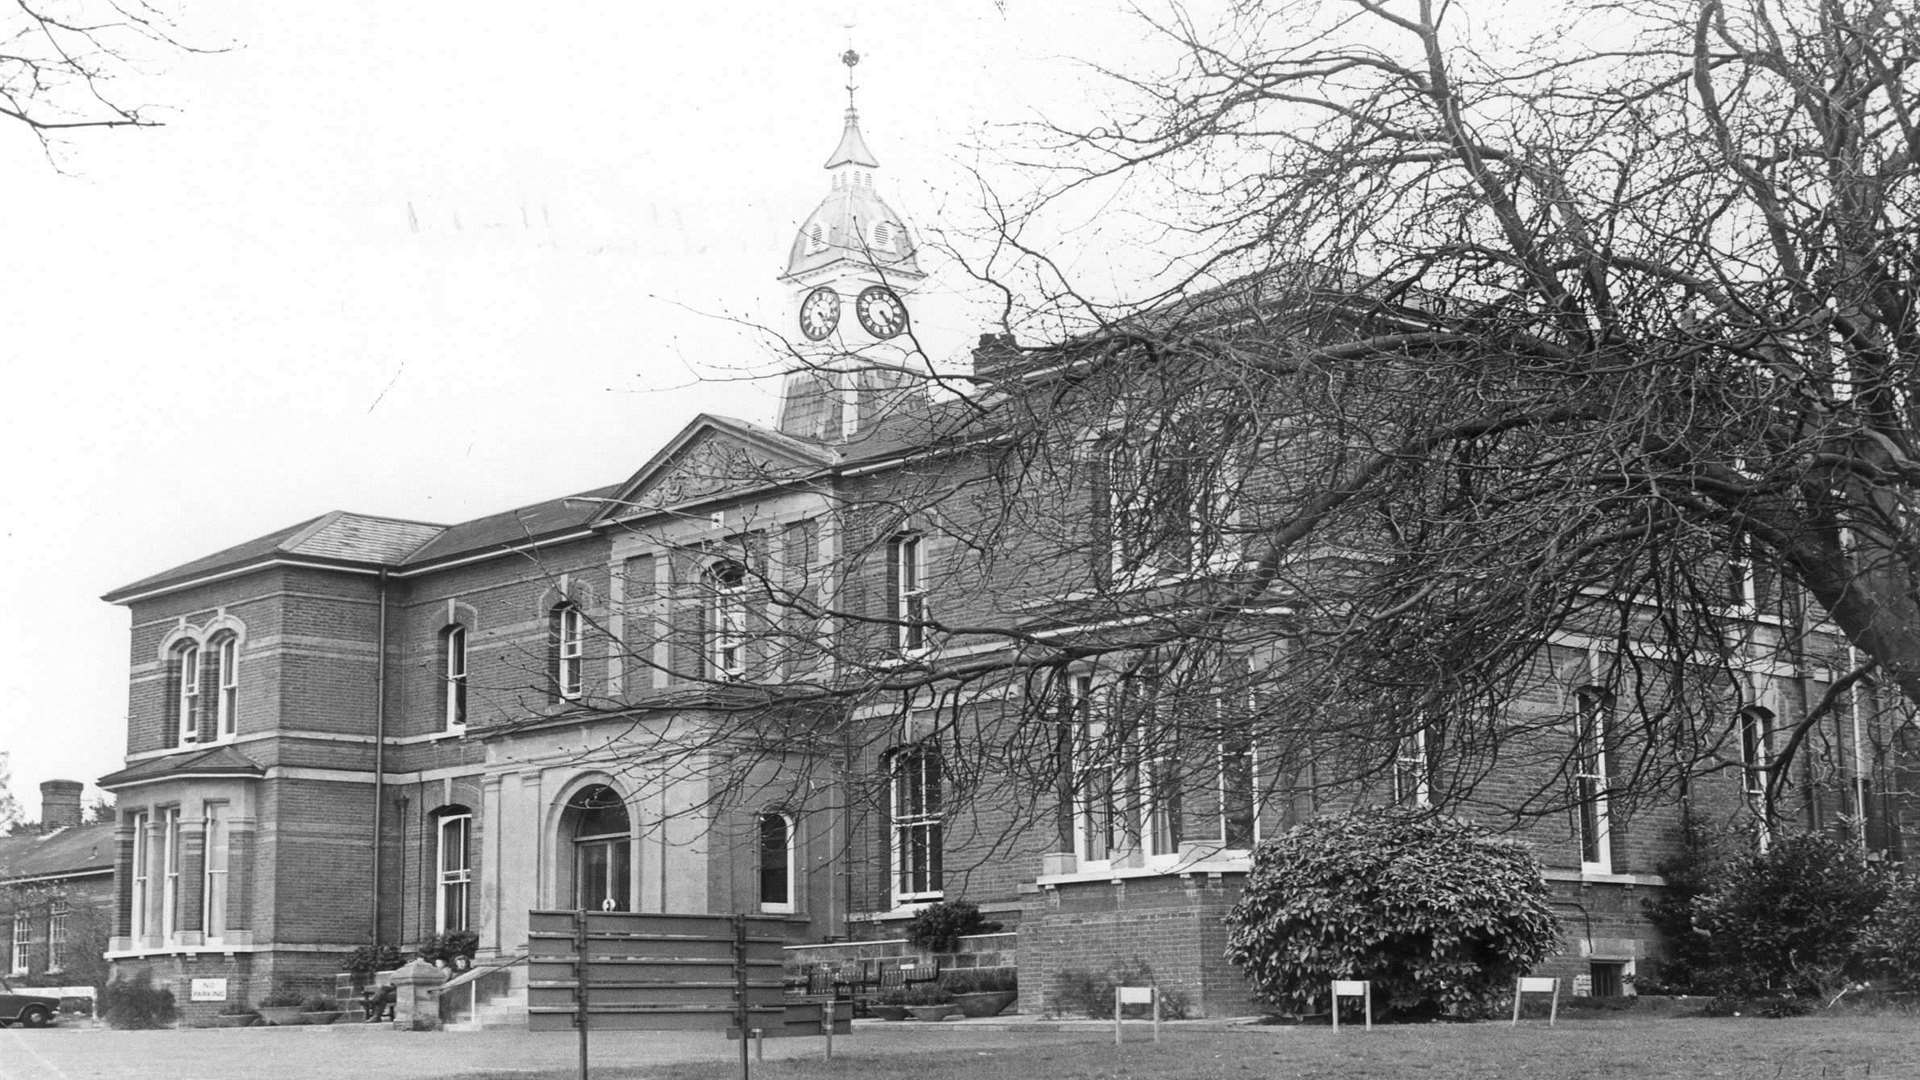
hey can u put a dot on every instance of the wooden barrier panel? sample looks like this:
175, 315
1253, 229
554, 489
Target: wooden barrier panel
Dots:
654, 972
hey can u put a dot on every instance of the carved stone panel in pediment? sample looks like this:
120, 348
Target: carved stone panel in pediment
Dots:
709, 466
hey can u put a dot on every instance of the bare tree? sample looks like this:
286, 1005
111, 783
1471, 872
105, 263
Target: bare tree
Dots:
1615, 330
1489, 372
65, 66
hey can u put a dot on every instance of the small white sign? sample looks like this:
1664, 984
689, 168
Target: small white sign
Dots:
1583, 986
208, 990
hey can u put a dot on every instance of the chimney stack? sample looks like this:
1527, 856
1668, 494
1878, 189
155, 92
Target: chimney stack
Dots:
59, 803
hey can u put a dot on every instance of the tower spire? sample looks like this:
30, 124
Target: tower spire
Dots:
853, 146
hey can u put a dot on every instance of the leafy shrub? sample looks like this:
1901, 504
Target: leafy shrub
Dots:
450, 946
320, 1003
981, 980
133, 1003
368, 959
1786, 922
1090, 993
938, 927
1439, 915
1890, 944
1689, 876
926, 994
283, 996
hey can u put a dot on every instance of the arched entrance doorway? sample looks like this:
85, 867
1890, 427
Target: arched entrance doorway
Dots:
596, 823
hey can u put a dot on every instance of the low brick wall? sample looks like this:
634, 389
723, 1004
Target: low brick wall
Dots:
1173, 923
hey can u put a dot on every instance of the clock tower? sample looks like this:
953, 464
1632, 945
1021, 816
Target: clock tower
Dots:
851, 273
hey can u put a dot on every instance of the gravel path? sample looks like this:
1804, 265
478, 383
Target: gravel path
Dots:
363, 1052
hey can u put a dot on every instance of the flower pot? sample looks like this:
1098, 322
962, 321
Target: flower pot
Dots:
933, 1012
888, 1012
320, 1018
282, 1015
985, 1003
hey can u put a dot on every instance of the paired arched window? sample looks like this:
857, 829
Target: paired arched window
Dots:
206, 688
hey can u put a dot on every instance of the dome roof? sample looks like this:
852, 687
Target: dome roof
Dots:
853, 223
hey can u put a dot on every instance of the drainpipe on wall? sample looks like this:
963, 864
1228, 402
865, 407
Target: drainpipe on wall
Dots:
1859, 760
379, 754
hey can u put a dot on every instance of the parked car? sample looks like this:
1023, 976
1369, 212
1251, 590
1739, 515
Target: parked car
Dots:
25, 1007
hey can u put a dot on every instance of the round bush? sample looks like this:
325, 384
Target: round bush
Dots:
1786, 921
1891, 941
132, 1002
1438, 914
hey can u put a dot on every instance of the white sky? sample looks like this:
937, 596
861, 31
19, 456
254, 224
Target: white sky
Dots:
229, 324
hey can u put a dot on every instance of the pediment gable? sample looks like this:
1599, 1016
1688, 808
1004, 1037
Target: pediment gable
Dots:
712, 457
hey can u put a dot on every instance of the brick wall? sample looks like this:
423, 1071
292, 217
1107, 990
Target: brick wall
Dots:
1171, 923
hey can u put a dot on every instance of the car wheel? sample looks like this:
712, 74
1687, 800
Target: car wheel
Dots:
38, 1016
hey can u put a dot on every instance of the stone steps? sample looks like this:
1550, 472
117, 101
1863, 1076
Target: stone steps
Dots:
508, 1011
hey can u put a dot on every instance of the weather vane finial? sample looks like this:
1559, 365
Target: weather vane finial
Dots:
850, 58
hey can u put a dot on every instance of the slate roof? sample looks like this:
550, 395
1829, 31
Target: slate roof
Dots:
67, 852
366, 541
337, 536
213, 761
514, 526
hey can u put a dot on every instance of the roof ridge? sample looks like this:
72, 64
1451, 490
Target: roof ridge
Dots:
292, 543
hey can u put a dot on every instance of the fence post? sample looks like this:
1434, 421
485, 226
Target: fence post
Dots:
740, 988
580, 983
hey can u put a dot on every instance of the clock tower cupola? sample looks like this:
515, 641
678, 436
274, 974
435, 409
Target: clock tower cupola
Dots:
851, 274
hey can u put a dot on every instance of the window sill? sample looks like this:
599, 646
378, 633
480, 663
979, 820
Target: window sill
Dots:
900, 912
1212, 863
1594, 877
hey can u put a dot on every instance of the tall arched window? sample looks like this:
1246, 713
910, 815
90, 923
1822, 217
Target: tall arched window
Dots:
907, 589
453, 867
186, 714
567, 630
916, 805
602, 835
226, 704
776, 862
1593, 708
1756, 760
453, 647
727, 619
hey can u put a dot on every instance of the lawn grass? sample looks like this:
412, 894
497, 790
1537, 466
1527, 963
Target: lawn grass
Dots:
1883, 1046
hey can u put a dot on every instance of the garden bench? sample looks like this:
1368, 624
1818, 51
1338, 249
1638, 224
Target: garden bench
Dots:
378, 1001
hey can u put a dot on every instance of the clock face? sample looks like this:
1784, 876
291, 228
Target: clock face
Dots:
881, 312
819, 313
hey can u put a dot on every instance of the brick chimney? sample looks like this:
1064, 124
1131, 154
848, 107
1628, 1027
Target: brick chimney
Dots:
59, 803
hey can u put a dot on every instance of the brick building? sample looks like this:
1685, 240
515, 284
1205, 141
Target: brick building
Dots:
700, 689
57, 893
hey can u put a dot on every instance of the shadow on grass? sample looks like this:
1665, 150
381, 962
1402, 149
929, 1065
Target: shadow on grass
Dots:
1822, 1048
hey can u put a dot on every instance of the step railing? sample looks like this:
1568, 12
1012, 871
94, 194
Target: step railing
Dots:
484, 981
